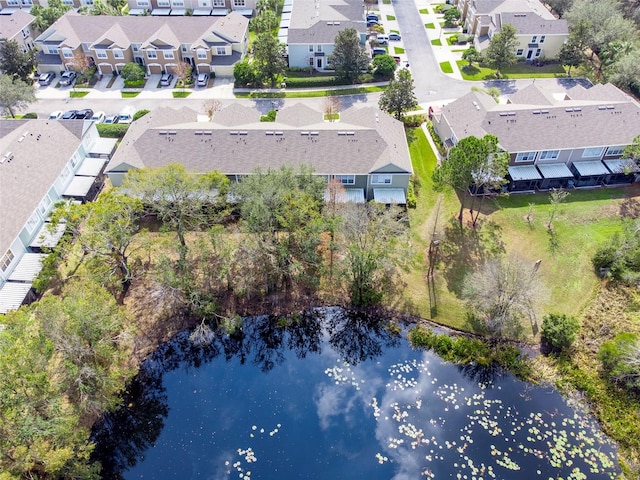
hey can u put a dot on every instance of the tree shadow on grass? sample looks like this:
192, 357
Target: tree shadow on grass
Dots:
465, 249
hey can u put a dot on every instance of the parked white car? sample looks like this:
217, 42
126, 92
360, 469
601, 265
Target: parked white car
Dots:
126, 116
56, 115
98, 117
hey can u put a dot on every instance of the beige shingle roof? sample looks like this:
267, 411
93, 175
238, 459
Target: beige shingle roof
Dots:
364, 140
13, 24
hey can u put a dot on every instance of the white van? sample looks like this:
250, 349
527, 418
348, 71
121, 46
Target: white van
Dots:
382, 40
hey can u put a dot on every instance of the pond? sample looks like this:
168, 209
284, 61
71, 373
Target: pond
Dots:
330, 394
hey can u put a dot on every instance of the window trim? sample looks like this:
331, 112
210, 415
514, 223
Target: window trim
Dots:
221, 50
593, 152
67, 53
32, 223
201, 54
118, 53
6, 260
375, 179
553, 155
168, 55
618, 150
542, 38
520, 52
346, 179
152, 54
101, 54
524, 157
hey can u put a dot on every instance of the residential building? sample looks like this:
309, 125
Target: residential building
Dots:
366, 149
310, 29
210, 44
7, 7
194, 7
540, 34
17, 27
557, 136
41, 162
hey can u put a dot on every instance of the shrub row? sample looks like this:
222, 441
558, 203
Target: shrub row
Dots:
436, 139
116, 130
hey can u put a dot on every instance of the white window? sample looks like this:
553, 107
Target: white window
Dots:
51, 50
33, 222
67, 53
549, 154
218, 3
310, 48
168, 54
65, 173
538, 52
202, 53
135, 46
221, 50
204, 3
27, 2
519, 52
142, 3
381, 179
318, 48
67, 2
346, 179
534, 39
117, 53
75, 159
185, 48
238, 3
178, 3
151, 53
101, 54
163, 3
85, 47
614, 151
592, 152
12, 3
542, 38
7, 258
526, 157
44, 205
25, 32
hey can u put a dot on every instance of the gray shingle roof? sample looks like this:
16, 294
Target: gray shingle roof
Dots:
529, 23
364, 140
315, 21
38, 159
575, 118
77, 29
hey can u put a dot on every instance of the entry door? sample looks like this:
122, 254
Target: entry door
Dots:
319, 63
529, 54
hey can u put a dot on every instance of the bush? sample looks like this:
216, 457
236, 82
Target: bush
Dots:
132, 72
414, 121
620, 258
620, 359
269, 117
115, 130
436, 139
384, 65
559, 331
140, 114
244, 74
412, 201
134, 83
30, 115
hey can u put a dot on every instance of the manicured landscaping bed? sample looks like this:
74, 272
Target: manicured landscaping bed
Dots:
429, 25
78, 94
398, 50
312, 93
446, 67
180, 94
129, 94
437, 42
520, 70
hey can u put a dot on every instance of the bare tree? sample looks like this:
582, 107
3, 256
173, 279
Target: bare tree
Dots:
556, 197
182, 71
331, 107
81, 64
502, 293
210, 107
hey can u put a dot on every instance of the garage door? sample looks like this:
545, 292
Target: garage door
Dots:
155, 69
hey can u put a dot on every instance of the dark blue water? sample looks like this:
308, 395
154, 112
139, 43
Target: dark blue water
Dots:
333, 395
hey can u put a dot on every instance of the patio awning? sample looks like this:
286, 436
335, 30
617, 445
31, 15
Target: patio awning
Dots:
28, 267
555, 170
389, 196
285, 23
524, 172
219, 12
48, 236
286, 16
160, 12
8, 11
178, 12
590, 169
79, 187
622, 165
12, 294
287, 9
354, 195
91, 167
245, 12
137, 11
202, 12
103, 147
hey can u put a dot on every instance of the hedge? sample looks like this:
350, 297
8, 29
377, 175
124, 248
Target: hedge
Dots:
112, 130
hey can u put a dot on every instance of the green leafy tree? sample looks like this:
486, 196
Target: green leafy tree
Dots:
470, 155
451, 17
559, 331
14, 95
384, 65
501, 52
269, 58
559, 6
399, 96
46, 16
16, 63
132, 72
349, 58
620, 256
620, 359
264, 22
371, 239
182, 200
633, 150
244, 73
571, 54
625, 72
471, 55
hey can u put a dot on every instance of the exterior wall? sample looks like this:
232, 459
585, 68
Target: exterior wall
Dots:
550, 48
111, 63
397, 181
300, 56
18, 250
442, 127
223, 70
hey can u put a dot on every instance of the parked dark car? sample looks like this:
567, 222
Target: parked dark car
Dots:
166, 79
46, 78
378, 51
371, 23
395, 37
69, 115
68, 77
372, 16
85, 114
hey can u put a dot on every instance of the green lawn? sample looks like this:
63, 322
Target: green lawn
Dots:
424, 11
521, 70
78, 94
437, 42
180, 94
446, 67
390, 18
312, 93
398, 50
583, 222
429, 25
129, 94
